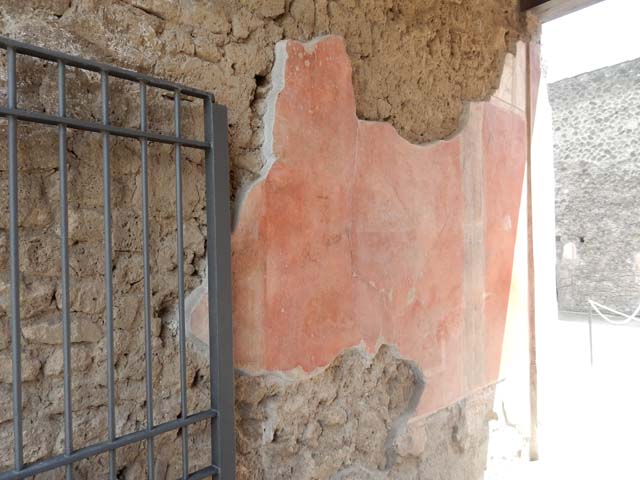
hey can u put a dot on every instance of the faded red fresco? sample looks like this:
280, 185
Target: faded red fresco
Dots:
358, 237
504, 139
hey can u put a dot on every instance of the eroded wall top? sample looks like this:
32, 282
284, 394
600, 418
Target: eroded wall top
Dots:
415, 62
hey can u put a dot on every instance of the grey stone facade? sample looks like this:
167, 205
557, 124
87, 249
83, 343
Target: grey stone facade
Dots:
596, 123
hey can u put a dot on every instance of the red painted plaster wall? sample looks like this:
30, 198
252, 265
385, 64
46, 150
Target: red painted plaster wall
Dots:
357, 237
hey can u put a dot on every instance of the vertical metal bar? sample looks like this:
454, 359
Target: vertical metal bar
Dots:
108, 275
64, 268
15, 263
591, 335
219, 283
147, 278
181, 316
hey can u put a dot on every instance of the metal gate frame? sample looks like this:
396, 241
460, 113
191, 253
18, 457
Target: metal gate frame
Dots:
215, 146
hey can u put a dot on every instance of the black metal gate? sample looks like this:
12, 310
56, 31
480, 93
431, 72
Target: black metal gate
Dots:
221, 411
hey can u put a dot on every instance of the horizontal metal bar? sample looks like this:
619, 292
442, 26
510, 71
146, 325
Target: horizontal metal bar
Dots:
206, 472
93, 450
93, 66
78, 124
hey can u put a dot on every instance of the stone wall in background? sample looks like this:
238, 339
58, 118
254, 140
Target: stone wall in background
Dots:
596, 118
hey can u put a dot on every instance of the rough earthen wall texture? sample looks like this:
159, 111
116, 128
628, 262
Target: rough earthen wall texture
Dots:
344, 419
415, 63
596, 118
320, 427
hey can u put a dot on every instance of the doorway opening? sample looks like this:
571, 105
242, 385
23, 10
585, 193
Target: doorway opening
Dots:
586, 238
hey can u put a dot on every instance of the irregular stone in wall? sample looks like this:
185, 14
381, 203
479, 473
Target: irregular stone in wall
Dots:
415, 62
80, 358
315, 426
452, 443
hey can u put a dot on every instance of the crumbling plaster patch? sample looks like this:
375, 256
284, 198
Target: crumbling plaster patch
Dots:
269, 118
348, 421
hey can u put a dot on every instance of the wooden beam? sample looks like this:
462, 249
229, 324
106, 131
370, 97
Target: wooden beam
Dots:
547, 10
531, 273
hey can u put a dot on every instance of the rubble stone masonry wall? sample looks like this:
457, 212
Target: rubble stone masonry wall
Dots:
328, 409
596, 118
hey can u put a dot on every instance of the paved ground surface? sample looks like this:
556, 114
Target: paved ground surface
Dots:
589, 415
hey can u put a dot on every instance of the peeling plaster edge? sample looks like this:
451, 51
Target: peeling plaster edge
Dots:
464, 120
399, 425
269, 157
470, 394
298, 373
278, 80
